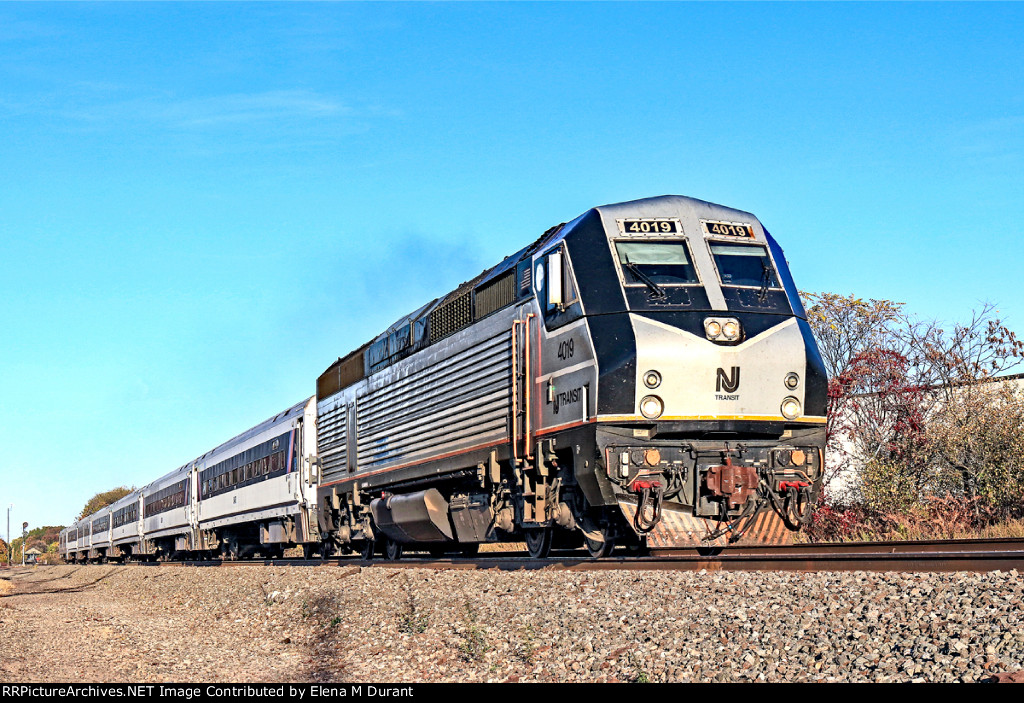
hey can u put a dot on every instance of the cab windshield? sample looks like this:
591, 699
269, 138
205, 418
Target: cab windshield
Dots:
666, 263
744, 265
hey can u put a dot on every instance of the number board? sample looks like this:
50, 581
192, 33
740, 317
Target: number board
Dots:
650, 225
728, 229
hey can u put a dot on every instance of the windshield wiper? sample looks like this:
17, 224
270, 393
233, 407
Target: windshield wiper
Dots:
655, 289
766, 277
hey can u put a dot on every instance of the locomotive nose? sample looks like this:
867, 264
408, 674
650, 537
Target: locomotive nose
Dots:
698, 375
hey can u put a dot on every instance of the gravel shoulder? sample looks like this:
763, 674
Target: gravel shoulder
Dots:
352, 624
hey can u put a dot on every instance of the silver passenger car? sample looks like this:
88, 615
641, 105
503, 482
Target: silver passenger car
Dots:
257, 492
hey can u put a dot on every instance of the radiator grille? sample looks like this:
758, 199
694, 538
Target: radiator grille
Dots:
342, 374
495, 295
451, 317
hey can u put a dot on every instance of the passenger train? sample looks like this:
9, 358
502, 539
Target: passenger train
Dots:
643, 375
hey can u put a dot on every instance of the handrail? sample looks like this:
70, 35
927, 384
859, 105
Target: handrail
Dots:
527, 453
515, 392
529, 385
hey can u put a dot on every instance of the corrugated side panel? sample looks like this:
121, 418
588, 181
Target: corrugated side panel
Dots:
453, 404
332, 443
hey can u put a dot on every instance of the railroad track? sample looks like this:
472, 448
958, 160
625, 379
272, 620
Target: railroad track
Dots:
920, 556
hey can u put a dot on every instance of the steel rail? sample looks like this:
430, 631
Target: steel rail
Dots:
921, 556
1007, 544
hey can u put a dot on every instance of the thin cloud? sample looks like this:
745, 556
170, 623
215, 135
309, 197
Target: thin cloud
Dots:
256, 107
218, 110
102, 105
999, 139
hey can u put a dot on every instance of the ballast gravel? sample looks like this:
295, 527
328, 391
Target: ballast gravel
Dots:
381, 624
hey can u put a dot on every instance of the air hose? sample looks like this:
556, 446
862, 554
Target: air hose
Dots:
798, 505
795, 508
735, 529
650, 495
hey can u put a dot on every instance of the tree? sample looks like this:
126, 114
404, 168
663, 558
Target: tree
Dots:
102, 500
975, 351
913, 405
974, 423
847, 328
15, 550
884, 422
979, 441
42, 536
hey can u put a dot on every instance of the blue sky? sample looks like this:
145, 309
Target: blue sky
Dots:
203, 205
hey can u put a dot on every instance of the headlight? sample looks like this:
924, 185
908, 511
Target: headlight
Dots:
791, 408
792, 380
652, 407
652, 379
725, 328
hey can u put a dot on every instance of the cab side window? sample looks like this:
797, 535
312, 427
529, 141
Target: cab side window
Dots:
555, 286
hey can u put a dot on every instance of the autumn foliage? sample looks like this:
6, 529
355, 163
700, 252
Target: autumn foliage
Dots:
102, 500
922, 435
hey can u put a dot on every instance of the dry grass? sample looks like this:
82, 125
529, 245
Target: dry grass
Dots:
1009, 529
901, 528
934, 518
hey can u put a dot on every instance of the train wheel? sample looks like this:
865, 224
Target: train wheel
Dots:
392, 550
469, 550
636, 549
538, 542
229, 549
369, 547
599, 550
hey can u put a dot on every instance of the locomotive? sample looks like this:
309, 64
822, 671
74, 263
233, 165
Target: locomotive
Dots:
643, 375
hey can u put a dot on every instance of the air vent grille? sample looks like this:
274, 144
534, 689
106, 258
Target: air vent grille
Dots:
495, 295
452, 316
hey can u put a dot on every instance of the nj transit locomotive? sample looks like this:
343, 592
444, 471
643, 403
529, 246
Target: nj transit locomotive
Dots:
641, 375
